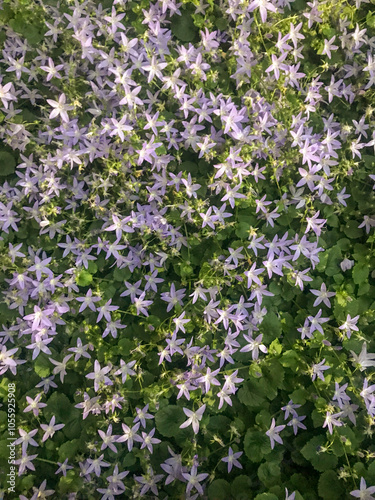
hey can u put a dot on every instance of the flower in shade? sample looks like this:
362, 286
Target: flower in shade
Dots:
364, 492
273, 433
25, 462
231, 459
63, 467
193, 479
96, 465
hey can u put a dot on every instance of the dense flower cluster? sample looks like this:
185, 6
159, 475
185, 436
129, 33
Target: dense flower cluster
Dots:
186, 223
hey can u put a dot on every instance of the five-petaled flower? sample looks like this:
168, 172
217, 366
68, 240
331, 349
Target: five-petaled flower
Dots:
194, 417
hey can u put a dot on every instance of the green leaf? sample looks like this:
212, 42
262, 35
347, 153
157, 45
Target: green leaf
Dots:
319, 460
219, 490
341, 299
42, 366
124, 347
221, 23
251, 394
59, 405
271, 326
370, 19
256, 445
274, 373
183, 27
333, 221
344, 244
299, 396
84, 278
371, 472
269, 473
121, 274
68, 450
263, 417
266, 496
242, 230
275, 347
189, 166
129, 460
329, 487
352, 231
360, 273
241, 488
27, 482
290, 359
169, 419
218, 422
73, 428
92, 267
333, 261
7, 164
363, 288
70, 483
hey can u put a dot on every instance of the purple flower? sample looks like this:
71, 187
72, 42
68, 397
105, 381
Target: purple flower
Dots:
142, 415
60, 366
88, 301
209, 378
264, 6
26, 439
173, 297
323, 296
130, 435
148, 440
141, 304
331, 420
99, 375
296, 422
34, 404
25, 462
350, 325
273, 433
50, 429
346, 264
106, 311
364, 492
316, 322
193, 418
290, 409
180, 322
193, 479
149, 482
81, 350
60, 108
318, 369
125, 369
231, 459
108, 439
95, 465
63, 467
52, 70
254, 345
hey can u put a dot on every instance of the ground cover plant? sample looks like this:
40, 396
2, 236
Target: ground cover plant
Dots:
187, 249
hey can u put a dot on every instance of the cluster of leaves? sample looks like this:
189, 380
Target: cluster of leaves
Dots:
187, 257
